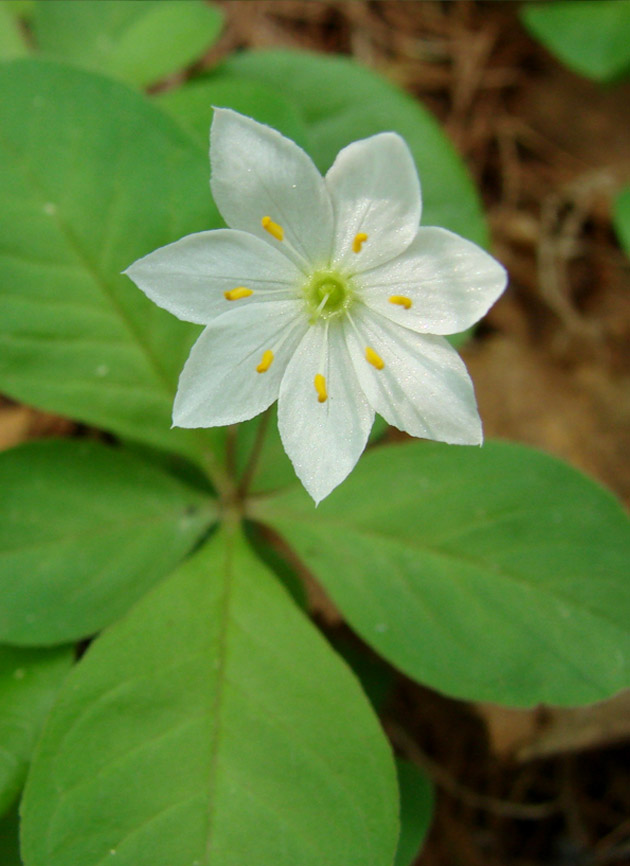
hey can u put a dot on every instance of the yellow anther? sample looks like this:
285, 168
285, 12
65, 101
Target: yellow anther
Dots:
273, 228
358, 242
265, 362
320, 387
401, 300
238, 293
374, 359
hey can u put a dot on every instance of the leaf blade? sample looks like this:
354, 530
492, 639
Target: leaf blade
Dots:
139, 41
493, 574
78, 338
592, 37
85, 529
416, 811
29, 681
621, 218
342, 101
239, 757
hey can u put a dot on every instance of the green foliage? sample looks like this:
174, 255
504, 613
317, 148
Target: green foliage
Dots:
212, 723
376, 676
23, 9
140, 41
235, 733
29, 681
12, 42
85, 530
341, 101
621, 218
496, 574
191, 105
111, 179
591, 36
9, 841
416, 811
277, 561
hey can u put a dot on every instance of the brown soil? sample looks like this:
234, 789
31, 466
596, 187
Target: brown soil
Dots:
551, 366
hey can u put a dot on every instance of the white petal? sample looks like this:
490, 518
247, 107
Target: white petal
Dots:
220, 384
450, 282
257, 172
323, 440
424, 387
188, 278
374, 189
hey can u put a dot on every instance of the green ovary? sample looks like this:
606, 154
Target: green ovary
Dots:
327, 294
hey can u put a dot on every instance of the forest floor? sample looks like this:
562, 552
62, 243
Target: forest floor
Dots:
551, 366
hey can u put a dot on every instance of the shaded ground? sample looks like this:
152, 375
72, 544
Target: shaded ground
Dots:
551, 367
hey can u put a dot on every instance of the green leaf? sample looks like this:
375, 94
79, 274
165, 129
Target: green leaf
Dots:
92, 177
376, 676
12, 42
416, 811
191, 105
342, 101
85, 530
140, 41
592, 37
213, 725
497, 574
275, 558
23, 9
9, 839
29, 681
621, 218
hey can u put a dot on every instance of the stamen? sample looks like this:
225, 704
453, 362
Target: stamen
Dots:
320, 387
266, 361
238, 293
273, 228
374, 359
358, 242
401, 300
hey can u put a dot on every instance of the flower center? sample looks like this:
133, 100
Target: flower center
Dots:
327, 294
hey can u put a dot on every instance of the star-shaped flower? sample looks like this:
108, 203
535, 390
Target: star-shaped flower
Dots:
324, 294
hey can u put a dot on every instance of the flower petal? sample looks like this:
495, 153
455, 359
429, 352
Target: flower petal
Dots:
257, 172
189, 277
323, 440
450, 282
423, 387
375, 190
220, 383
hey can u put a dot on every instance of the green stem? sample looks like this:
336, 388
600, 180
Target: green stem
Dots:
254, 456
221, 479
230, 449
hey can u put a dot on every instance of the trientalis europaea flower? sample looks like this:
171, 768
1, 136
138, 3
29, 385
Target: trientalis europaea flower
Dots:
324, 294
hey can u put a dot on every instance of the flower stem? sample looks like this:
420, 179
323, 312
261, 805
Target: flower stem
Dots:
230, 449
221, 479
254, 455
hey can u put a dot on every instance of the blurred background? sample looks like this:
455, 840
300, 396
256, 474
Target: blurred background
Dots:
549, 151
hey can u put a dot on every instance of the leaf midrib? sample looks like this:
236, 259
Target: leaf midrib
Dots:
221, 679
93, 272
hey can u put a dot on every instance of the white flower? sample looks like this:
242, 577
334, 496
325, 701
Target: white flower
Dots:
324, 294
